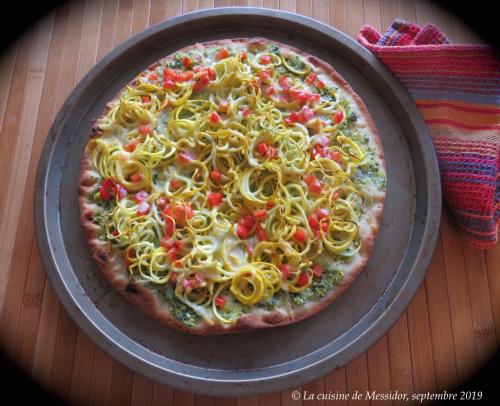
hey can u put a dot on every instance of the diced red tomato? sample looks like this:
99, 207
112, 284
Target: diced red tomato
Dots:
173, 256
314, 98
299, 95
153, 76
204, 79
243, 56
247, 221
212, 75
339, 116
300, 235
214, 198
309, 178
220, 301
313, 221
136, 177
315, 187
185, 76
132, 145
169, 226
317, 150
222, 53
272, 152
197, 87
182, 212
320, 84
179, 245
167, 242
145, 129
265, 75
270, 90
303, 279
143, 208
322, 213
265, 59
246, 111
242, 231
189, 210
115, 233
161, 202
169, 74
185, 157
186, 61
292, 118
176, 184
167, 210
214, 117
286, 270
285, 82
168, 84
215, 175
260, 214
120, 191
145, 99
311, 78
335, 195
324, 226
285, 98
260, 233
262, 148
305, 114
270, 204
104, 194
223, 106
140, 196
337, 156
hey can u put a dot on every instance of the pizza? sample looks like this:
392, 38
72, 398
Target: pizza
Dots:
234, 185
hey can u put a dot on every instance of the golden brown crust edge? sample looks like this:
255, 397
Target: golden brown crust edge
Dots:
113, 268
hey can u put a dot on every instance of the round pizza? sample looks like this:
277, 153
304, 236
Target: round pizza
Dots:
235, 185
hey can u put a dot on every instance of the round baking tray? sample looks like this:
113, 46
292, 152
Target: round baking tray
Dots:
258, 361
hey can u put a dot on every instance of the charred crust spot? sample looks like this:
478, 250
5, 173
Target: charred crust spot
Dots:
257, 45
101, 256
131, 288
95, 131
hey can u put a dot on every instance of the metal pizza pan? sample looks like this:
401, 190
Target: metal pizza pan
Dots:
264, 360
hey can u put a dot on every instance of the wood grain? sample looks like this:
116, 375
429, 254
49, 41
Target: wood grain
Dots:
450, 329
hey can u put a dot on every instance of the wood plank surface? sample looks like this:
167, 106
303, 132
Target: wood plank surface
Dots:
450, 329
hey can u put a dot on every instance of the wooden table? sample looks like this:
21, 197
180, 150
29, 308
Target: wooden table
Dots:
450, 329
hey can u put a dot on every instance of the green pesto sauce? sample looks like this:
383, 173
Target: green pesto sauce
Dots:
370, 173
231, 313
319, 287
272, 303
274, 49
179, 310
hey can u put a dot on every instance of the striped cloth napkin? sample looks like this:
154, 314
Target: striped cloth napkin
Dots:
457, 90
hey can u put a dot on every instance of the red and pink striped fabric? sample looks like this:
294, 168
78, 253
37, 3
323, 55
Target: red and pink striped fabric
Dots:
457, 90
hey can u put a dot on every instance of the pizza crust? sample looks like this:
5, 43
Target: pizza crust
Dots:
149, 301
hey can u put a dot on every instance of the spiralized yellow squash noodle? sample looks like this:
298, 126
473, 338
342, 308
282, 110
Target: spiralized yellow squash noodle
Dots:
227, 174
